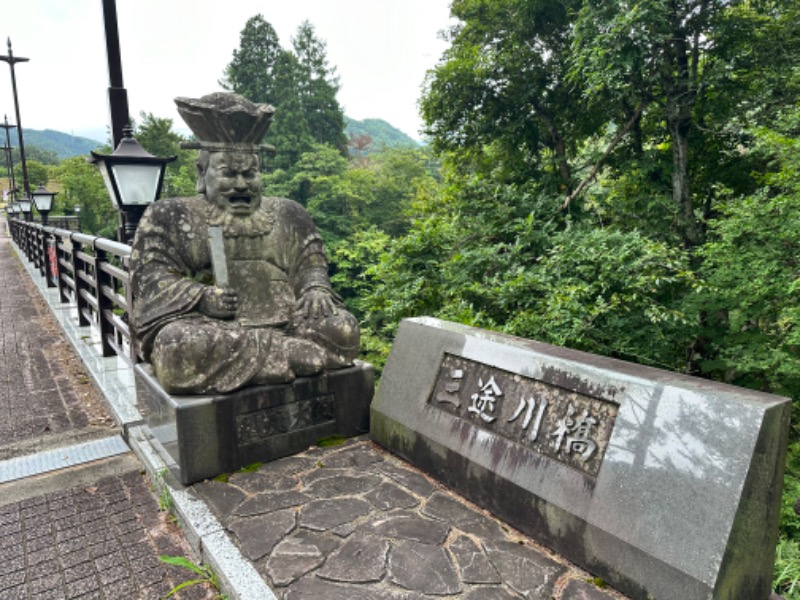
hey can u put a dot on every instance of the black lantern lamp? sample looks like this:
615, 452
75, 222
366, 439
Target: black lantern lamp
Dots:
43, 199
134, 178
24, 205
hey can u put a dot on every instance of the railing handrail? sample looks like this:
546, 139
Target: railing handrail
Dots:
83, 274
116, 248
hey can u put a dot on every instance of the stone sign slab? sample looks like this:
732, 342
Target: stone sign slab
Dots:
203, 436
664, 485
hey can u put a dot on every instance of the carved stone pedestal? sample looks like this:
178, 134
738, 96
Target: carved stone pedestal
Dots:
203, 436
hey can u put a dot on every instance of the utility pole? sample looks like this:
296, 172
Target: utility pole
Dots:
12, 60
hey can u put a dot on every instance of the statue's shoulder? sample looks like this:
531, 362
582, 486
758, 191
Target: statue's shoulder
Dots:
287, 210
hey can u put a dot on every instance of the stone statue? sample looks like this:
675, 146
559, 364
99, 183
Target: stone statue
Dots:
230, 288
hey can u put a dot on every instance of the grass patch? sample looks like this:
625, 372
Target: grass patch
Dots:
333, 440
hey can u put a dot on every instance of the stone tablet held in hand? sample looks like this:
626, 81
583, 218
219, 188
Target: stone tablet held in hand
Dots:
664, 485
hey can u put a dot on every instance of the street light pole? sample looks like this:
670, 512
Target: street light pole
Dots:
9, 158
12, 60
117, 94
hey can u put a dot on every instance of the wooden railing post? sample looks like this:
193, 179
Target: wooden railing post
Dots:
104, 303
49, 256
80, 285
61, 258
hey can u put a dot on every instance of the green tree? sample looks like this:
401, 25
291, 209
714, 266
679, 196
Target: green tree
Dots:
499, 102
83, 186
37, 174
290, 132
251, 72
318, 88
159, 139
299, 83
751, 265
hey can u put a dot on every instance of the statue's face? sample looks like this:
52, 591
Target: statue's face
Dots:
233, 182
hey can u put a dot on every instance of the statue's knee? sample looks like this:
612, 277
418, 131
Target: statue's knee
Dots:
177, 358
338, 334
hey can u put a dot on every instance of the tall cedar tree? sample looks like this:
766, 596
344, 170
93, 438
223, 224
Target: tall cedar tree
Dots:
298, 82
251, 73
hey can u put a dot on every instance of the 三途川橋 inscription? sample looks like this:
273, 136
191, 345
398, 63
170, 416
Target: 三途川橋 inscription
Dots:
564, 425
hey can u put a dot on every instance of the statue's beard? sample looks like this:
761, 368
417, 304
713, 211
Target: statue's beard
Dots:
256, 224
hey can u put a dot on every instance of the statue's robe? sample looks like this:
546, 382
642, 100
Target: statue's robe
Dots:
273, 258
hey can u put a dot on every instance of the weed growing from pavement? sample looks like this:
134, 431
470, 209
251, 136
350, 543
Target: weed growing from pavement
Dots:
205, 574
165, 503
252, 468
333, 440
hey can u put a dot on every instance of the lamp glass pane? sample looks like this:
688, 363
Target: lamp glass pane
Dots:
137, 183
25, 205
43, 201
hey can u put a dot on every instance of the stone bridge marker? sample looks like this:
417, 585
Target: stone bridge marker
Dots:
666, 486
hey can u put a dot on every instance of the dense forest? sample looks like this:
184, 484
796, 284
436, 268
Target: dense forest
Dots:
620, 178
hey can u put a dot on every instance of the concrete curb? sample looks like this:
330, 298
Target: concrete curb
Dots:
113, 376
238, 578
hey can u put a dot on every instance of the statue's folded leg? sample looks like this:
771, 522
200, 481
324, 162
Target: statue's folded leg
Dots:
206, 356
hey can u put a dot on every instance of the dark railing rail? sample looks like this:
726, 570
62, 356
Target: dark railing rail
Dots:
89, 271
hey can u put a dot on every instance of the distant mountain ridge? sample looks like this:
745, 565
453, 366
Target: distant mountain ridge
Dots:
63, 144
382, 133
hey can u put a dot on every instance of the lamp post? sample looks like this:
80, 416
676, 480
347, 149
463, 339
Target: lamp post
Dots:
9, 157
12, 60
117, 94
43, 199
133, 178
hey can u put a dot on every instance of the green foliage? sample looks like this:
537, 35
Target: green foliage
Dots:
373, 135
251, 72
251, 468
499, 101
786, 580
318, 86
37, 174
330, 441
206, 574
83, 186
157, 137
46, 157
751, 264
298, 82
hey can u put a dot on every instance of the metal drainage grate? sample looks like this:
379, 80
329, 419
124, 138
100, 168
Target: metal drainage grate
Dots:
61, 458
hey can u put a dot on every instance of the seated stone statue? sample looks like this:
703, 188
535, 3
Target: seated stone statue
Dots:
256, 305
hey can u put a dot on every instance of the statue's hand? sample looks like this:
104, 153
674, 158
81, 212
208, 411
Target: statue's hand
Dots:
315, 304
219, 303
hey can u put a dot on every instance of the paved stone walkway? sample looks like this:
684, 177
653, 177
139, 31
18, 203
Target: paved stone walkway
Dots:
91, 531
352, 522
44, 392
100, 540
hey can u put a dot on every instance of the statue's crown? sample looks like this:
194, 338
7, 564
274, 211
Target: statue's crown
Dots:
224, 121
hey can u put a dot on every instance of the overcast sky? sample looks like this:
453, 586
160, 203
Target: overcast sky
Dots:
170, 48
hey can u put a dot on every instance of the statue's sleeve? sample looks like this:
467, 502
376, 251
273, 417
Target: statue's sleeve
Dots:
161, 273
309, 264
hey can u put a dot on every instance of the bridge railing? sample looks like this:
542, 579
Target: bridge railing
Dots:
90, 272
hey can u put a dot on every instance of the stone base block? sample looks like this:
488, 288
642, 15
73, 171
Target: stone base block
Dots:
204, 436
666, 486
